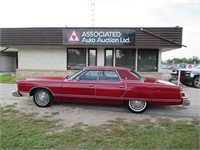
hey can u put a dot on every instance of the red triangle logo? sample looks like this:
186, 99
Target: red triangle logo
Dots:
73, 37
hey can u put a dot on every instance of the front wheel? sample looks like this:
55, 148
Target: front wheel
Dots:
42, 98
137, 106
196, 82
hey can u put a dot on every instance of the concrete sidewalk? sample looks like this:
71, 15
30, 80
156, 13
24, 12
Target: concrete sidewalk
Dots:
2, 73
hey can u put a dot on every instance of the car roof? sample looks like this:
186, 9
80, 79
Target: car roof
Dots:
105, 68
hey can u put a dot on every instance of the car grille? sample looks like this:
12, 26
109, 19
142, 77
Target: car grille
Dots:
185, 73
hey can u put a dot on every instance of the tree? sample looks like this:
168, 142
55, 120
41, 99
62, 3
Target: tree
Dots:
193, 60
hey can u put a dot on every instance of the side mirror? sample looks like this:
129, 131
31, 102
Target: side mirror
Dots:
77, 79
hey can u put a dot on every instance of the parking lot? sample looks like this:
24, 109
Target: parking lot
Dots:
71, 113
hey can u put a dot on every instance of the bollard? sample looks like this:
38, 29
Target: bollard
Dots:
179, 77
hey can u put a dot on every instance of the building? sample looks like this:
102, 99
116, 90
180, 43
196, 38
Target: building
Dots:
61, 51
8, 61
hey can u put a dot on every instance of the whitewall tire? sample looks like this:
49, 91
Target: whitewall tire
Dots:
42, 98
137, 106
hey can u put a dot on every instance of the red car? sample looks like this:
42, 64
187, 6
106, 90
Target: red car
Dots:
103, 85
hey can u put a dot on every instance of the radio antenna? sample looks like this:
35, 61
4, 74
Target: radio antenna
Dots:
92, 13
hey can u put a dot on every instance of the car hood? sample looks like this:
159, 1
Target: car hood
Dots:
158, 81
193, 70
47, 78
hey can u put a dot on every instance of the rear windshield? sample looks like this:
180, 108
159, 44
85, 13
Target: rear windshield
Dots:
136, 74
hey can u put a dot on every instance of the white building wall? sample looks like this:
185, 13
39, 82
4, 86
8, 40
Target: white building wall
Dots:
55, 58
37, 61
42, 58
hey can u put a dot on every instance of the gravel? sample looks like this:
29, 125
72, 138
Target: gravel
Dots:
70, 114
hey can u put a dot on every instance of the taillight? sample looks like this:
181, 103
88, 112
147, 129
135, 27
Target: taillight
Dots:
182, 94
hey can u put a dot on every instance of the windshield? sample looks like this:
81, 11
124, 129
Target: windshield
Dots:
197, 67
136, 74
73, 75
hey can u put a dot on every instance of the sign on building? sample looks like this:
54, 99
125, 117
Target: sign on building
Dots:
99, 36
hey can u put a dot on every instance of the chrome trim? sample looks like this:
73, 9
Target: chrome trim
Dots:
20, 94
186, 102
26, 94
16, 94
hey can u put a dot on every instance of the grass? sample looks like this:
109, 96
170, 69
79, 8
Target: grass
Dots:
8, 78
23, 131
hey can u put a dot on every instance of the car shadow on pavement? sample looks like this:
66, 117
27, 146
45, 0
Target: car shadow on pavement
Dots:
107, 107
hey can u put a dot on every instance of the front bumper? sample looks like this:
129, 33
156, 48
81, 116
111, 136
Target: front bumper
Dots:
16, 94
174, 74
186, 80
186, 102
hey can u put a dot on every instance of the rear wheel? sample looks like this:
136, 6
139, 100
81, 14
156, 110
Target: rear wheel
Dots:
42, 98
196, 82
137, 106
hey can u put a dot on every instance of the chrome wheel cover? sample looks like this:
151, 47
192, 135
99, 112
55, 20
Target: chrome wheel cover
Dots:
137, 106
42, 98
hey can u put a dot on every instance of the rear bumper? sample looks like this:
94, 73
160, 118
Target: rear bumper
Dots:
186, 102
16, 94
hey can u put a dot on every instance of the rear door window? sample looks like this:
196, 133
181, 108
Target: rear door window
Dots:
109, 76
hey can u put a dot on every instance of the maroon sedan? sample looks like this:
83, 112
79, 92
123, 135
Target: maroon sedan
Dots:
103, 85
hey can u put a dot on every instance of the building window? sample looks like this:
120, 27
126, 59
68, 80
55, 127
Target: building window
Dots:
148, 60
76, 58
92, 57
125, 58
108, 57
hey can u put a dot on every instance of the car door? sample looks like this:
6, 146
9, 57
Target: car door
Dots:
81, 87
110, 86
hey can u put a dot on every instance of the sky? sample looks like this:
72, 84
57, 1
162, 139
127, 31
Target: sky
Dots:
109, 13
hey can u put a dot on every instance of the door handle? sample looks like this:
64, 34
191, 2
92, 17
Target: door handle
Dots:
91, 85
121, 86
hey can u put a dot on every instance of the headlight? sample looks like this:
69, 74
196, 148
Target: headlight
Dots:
187, 73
